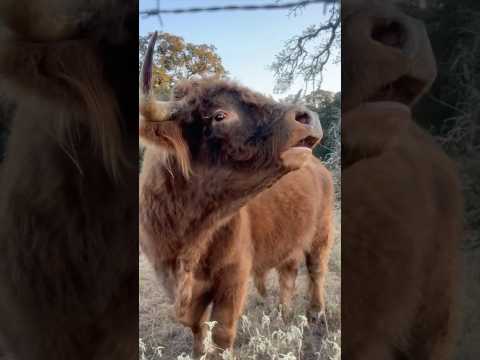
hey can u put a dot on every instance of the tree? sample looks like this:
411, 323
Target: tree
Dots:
328, 107
175, 59
306, 55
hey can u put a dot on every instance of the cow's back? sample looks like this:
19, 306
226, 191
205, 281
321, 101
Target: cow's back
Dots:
285, 218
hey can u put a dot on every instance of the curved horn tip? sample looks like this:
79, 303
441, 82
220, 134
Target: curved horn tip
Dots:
147, 67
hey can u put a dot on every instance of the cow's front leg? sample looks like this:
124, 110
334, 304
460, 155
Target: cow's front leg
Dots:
194, 317
198, 326
287, 274
228, 303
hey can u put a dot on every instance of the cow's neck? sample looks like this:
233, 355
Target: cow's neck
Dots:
200, 204
193, 209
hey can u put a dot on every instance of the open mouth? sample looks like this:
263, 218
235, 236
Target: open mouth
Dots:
403, 90
307, 142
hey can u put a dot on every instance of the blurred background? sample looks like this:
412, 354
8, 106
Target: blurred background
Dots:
451, 112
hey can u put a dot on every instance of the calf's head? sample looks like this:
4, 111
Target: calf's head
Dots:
213, 124
386, 55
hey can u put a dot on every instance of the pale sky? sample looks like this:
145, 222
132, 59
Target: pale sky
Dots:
247, 41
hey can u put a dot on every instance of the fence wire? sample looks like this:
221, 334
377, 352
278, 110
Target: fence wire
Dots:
276, 6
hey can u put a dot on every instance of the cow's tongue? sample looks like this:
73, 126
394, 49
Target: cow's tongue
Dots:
307, 142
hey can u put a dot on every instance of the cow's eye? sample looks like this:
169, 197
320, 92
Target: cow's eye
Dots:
219, 115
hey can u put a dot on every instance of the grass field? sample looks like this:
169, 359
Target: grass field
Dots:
262, 334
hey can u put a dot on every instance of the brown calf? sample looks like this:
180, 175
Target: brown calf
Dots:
230, 188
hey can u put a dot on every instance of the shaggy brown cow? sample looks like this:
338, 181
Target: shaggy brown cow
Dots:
229, 187
68, 209
401, 203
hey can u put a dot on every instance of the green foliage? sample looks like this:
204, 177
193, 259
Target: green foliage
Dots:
175, 59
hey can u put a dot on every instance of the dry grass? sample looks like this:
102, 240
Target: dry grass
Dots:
262, 333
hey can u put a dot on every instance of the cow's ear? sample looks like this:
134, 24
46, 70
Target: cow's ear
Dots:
156, 111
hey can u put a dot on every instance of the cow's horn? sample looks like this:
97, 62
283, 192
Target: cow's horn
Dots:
147, 68
150, 108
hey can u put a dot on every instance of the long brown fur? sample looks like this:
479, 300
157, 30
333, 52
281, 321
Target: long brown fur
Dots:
68, 279
216, 228
401, 203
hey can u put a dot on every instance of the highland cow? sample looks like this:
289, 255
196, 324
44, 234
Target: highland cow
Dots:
230, 188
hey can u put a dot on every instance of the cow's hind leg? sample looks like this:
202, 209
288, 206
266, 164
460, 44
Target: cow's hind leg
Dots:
317, 267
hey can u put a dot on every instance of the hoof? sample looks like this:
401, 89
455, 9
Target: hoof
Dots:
316, 316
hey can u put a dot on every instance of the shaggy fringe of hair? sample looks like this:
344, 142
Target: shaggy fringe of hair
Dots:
176, 154
69, 76
175, 151
208, 86
181, 154
151, 114
199, 87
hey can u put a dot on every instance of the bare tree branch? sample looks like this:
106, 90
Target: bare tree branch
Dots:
307, 55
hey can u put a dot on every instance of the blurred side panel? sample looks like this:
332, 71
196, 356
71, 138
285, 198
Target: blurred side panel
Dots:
406, 231
68, 180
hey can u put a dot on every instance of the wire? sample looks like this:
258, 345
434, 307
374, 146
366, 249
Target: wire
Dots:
158, 11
